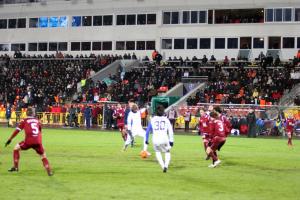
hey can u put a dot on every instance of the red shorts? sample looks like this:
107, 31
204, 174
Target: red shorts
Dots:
121, 126
217, 142
37, 147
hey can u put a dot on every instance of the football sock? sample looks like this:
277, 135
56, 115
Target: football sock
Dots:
159, 159
16, 158
167, 159
46, 164
205, 145
213, 156
145, 147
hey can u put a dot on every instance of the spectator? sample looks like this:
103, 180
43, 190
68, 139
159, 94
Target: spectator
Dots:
212, 58
88, 116
187, 120
277, 61
226, 61
204, 59
251, 121
8, 113
172, 116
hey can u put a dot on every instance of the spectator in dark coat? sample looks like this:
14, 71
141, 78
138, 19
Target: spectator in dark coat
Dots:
251, 121
8, 113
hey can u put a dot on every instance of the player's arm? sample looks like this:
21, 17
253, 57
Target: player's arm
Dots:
15, 133
126, 117
170, 132
129, 121
149, 129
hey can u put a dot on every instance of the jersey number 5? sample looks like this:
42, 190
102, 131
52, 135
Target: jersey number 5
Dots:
35, 129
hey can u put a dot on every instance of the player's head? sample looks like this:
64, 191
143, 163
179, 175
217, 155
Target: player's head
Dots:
214, 115
130, 102
160, 110
202, 113
119, 106
218, 109
29, 112
134, 108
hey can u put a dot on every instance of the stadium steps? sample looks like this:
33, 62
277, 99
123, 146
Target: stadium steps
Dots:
182, 100
112, 69
286, 101
288, 98
177, 90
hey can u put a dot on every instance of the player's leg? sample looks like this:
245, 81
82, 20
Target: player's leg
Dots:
142, 133
159, 156
127, 142
167, 160
40, 150
46, 164
212, 150
16, 157
289, 134
123, 132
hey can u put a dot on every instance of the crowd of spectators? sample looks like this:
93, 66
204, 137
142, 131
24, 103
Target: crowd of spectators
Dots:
244, 86
43, 82
140, 84
48, 79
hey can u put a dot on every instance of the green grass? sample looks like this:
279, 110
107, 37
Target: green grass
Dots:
89, 165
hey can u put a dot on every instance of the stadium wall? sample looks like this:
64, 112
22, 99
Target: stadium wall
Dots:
155, 32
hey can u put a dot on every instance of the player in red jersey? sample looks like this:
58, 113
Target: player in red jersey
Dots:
225, 120
33, 139
218, 138
204, 128
119, 115
289, 129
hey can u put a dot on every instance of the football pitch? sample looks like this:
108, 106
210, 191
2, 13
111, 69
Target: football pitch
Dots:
90, 165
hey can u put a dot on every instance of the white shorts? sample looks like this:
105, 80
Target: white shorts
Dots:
162, 147
138, 132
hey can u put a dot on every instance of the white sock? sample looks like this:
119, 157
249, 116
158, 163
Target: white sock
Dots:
167, 159
159, 159
145, 147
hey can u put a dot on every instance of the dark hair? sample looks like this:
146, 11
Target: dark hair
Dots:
160, 110
214, 114
218, 109
29, 112
131, 101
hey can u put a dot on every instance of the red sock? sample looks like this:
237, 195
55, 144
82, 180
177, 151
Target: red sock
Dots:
16, 158
213, 155
46, 164
290, 141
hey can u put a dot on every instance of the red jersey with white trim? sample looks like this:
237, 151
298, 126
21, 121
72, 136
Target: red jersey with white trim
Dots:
204, 124
290, 123
33, 130
227, 125
218, 128
120, 114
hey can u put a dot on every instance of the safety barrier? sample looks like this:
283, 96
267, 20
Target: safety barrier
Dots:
53, 119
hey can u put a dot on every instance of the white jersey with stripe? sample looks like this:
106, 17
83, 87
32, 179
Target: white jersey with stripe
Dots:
134, 121
162, 130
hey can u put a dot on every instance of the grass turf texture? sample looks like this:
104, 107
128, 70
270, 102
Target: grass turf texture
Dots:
90, 165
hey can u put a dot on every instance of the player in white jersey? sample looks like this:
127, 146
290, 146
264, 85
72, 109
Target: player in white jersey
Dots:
134, 127
162, 138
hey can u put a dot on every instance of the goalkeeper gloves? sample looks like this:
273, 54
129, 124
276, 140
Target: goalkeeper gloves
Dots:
171, 144
146, 142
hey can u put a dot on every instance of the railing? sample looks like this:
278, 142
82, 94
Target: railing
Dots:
233, 64
54, 119
51, 59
